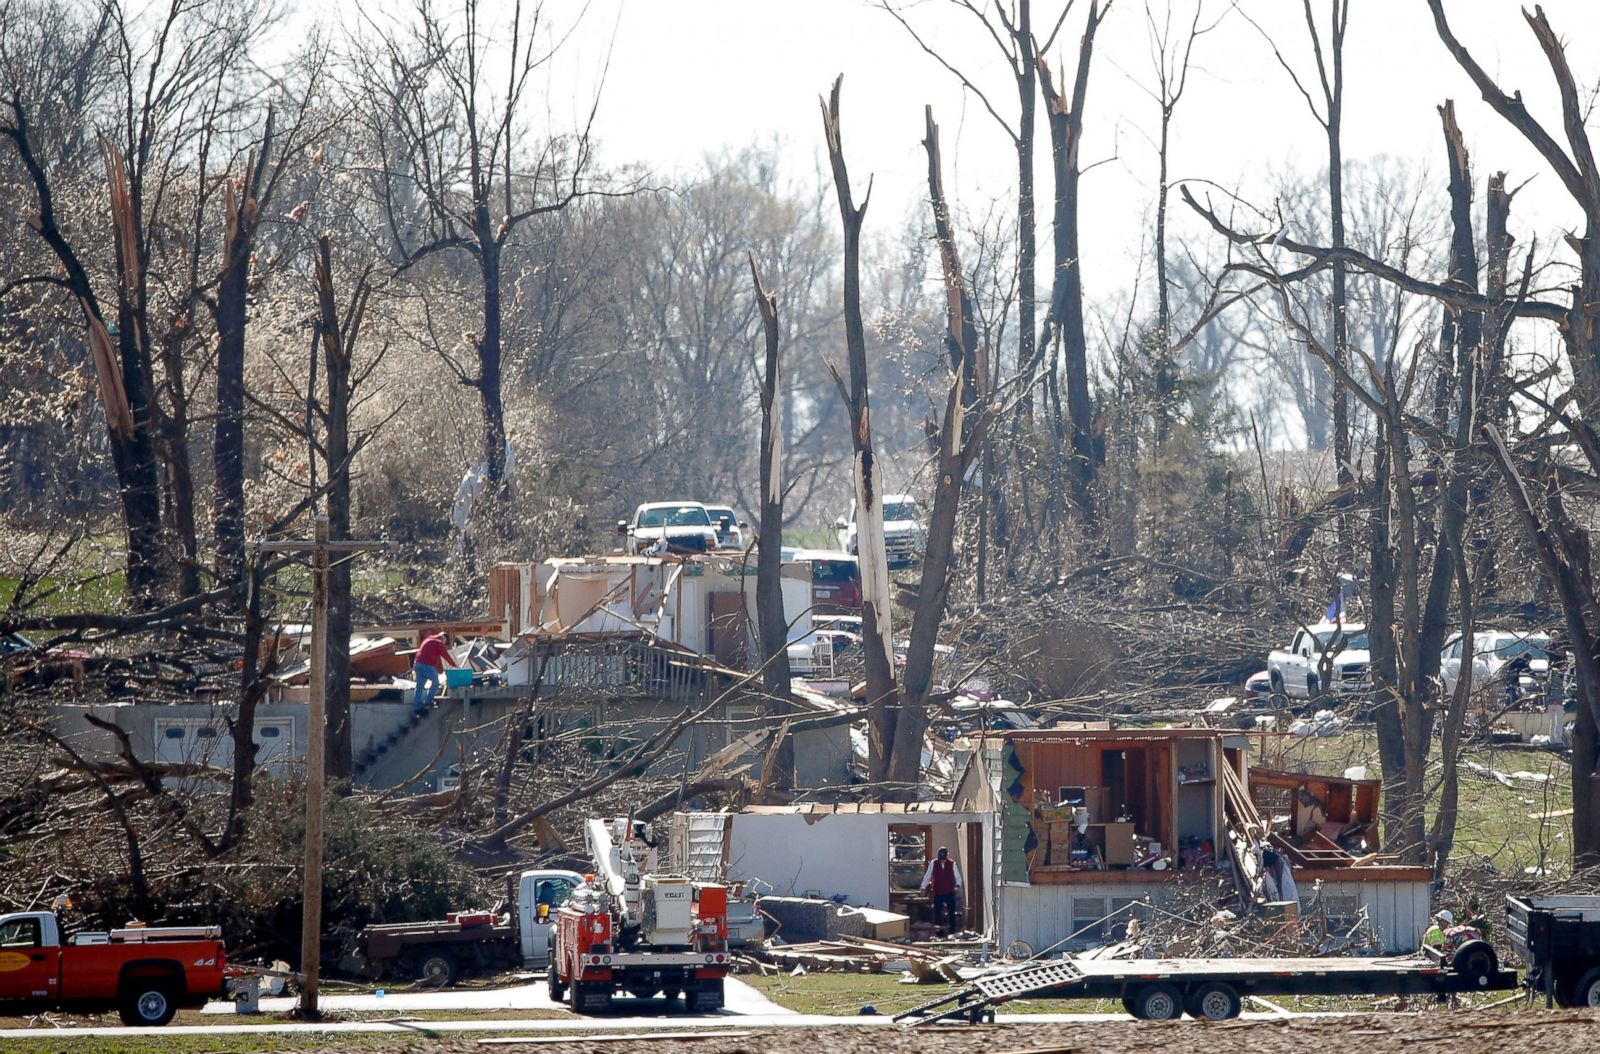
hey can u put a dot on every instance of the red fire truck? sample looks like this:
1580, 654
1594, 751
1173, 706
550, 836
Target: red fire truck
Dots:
627, 929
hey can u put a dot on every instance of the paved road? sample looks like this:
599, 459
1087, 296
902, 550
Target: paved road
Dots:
746, 1008
740, 999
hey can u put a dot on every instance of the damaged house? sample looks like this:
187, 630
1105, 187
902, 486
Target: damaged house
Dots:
1060, 833
618, 644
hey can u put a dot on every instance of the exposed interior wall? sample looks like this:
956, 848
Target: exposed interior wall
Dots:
832, 854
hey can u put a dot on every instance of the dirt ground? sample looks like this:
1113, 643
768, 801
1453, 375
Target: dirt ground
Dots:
1556, 1032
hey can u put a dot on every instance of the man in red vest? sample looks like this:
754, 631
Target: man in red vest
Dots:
944, 878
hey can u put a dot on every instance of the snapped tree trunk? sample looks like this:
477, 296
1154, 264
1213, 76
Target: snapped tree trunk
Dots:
232, 317
960, 439
883, 702
338, 342
772, 624
489, 371
1065, 118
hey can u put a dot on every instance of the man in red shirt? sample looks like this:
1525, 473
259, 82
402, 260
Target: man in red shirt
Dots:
944, 878
432, 655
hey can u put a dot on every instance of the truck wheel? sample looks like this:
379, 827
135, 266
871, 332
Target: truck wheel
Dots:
146, 1003
1275, 682
704, 997
1213, 1001
1587, 990
1157, 1002
558, 991
438, 969
1312, 686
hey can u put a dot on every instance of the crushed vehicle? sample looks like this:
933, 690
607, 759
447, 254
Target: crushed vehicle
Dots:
905, 530
730, 529
630, 929
668, 527
441, 952
145, 973
1329, 655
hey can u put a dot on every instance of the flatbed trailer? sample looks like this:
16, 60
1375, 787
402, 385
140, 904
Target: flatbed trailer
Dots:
1214, 989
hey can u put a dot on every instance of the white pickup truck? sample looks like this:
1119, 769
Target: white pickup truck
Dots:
905, 532
1326, 650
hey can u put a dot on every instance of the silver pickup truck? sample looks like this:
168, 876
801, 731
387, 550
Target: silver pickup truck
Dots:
1327, 655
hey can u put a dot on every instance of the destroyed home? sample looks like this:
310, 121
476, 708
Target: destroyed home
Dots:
1060, 835
607, 642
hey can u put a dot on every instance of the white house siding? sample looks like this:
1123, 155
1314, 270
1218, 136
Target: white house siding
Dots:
1398, 910
1044, 915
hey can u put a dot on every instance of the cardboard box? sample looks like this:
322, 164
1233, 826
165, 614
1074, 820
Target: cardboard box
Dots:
1120, 849
885, 925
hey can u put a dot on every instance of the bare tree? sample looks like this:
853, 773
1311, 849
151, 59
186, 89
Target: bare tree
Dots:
457, 175
1560, 540
1064, 319
339, 332
772, 623
883, 696
960, 438
1329, 57
173, 72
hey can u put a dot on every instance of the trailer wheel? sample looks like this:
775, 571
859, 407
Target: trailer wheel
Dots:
1587, 990
1127, 1004
1157, 1002
1213, 1001
438, 969
1476, 959
146, 1003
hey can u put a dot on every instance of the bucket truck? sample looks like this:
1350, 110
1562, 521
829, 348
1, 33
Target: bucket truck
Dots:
629, 929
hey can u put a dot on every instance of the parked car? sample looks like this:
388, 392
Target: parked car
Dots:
730, 529
1491, 651
1258, 687
905, 531
1297, 671
668, 527
835, 579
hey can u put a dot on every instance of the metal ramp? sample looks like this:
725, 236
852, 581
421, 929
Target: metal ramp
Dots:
978, 998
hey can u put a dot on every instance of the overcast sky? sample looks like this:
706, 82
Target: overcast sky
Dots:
692, 77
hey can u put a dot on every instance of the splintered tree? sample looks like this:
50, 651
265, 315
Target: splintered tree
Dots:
1064, 319
339, 333
883, 698
1557, 533
771, 624
1416, 566
457, 174
960, 438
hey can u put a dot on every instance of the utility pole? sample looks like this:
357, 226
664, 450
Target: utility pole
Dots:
320, 549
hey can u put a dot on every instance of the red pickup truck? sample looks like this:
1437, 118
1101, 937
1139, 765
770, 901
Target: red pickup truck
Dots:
146, 973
